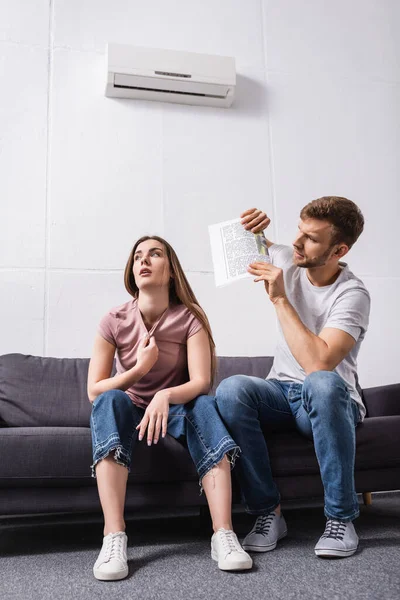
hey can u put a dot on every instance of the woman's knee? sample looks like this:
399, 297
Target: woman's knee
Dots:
202, 406
113, 400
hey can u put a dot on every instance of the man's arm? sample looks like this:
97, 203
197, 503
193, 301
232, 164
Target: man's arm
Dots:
321, 352
255, 220
313, 352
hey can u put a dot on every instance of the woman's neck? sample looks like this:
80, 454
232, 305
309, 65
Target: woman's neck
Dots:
152, 305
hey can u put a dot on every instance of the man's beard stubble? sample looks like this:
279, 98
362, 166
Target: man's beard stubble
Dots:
318, 261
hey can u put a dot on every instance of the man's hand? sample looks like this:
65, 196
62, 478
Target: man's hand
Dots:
254, 220
147, 354
155, 418
272, 277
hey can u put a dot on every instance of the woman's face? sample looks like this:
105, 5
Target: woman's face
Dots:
151, 265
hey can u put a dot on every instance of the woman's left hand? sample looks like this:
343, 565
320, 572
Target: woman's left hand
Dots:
155, 418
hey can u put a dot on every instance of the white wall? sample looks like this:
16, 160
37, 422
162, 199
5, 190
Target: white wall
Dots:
82, 176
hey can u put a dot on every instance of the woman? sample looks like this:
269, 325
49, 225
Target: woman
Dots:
165, 363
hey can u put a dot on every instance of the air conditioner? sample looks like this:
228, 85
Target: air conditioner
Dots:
170, 76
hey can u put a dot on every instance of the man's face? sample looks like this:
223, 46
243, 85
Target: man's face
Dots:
313, 244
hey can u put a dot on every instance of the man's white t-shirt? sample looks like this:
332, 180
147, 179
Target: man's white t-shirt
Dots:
345, 305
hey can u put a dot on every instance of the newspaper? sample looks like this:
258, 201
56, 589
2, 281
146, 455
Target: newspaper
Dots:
233, 248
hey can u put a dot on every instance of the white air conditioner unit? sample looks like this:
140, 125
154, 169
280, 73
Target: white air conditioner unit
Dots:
170, 76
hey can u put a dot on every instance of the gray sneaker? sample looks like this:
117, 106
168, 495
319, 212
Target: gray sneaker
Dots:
264, 536
338, 539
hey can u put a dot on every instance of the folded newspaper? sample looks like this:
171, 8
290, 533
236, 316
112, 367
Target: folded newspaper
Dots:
233, 248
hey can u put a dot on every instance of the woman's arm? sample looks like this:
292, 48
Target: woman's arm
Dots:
101, 364
155, 418
199, 367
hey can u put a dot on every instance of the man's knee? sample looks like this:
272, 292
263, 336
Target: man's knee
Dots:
235, 393
323, 381
324, 388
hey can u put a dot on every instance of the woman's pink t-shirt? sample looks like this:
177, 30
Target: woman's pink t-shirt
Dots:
124, 328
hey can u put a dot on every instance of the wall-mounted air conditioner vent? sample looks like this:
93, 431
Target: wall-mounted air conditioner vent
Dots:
170, 76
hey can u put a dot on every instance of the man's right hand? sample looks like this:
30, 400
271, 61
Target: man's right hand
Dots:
255, 220
147, 355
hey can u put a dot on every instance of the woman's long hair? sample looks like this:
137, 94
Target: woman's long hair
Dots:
180, 291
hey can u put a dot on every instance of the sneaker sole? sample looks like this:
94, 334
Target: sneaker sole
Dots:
334, 553
268, 548
227, 566
110, 576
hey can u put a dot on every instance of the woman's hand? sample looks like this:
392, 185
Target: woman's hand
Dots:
155, 418
147, 355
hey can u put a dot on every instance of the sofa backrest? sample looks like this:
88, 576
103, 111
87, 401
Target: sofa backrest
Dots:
382, 400
38, 391
256, 366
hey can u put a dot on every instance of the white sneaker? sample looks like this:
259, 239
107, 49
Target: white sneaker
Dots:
112, 561
227, 551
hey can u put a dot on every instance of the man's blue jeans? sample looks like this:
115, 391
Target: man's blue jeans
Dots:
197, 424
321, 409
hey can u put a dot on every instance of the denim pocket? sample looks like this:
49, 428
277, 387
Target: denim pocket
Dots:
295, 405
295, 398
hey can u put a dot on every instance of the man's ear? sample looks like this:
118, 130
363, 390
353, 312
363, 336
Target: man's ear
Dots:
341, 251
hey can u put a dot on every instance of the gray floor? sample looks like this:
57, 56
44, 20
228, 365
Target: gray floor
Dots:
170, 558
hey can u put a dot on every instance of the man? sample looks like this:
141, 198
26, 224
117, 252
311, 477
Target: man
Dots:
323, 312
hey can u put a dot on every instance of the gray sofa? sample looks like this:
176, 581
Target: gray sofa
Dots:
45, 444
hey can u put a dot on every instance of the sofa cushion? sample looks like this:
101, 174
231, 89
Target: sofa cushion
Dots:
378, 446
378, 443
62, 456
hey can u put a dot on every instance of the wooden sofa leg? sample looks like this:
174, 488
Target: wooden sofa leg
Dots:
367, 497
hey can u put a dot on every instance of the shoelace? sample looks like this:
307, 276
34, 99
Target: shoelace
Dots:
263, 524
334, 529
114, 548
229, 541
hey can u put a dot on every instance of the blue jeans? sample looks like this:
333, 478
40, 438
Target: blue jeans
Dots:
321, 409
198, 424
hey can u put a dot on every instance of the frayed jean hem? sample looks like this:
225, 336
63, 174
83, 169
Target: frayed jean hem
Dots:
121, 456
213, 457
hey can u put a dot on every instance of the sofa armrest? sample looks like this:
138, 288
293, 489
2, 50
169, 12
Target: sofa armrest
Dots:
383, 400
